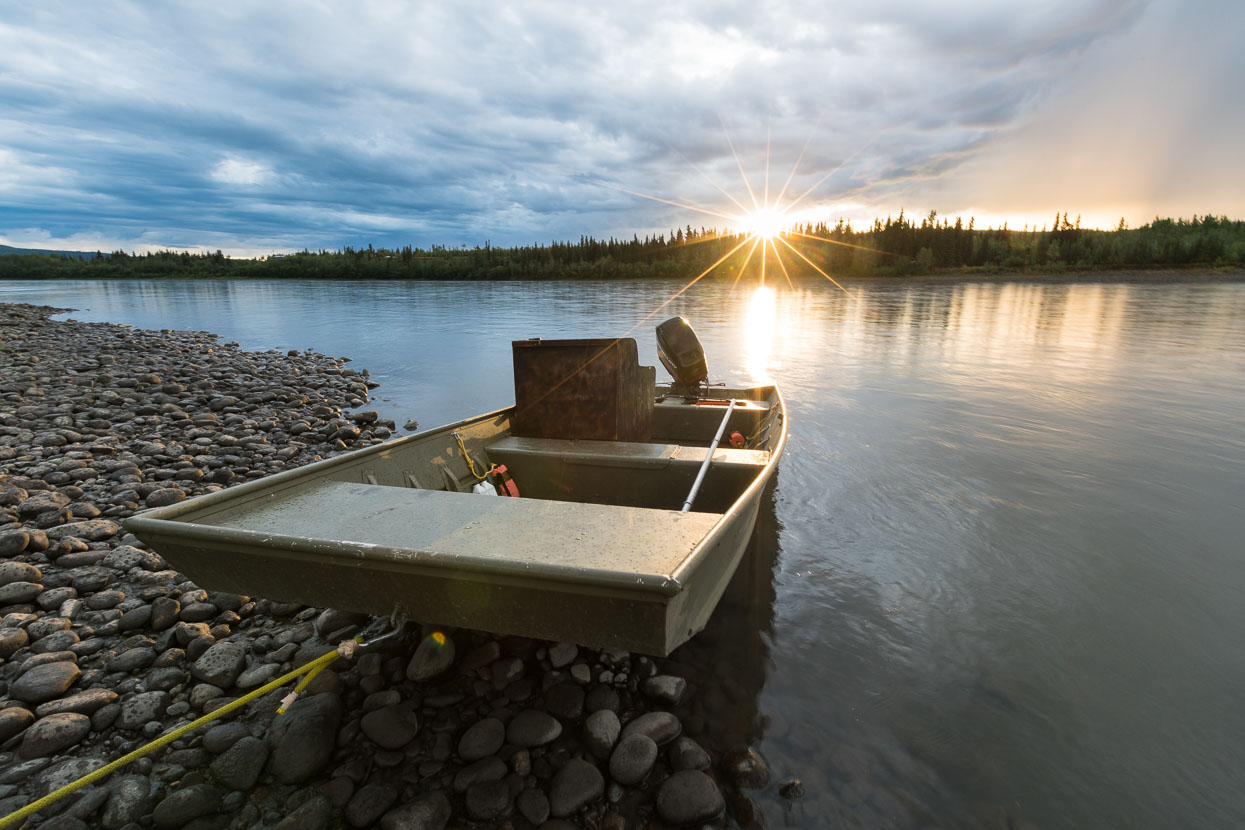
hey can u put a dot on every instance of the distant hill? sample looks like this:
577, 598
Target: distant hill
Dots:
8, 249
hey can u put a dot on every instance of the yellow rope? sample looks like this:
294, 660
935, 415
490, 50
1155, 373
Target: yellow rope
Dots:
466, 456
314, 667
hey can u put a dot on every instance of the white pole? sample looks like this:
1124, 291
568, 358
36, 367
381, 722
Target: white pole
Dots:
704, 467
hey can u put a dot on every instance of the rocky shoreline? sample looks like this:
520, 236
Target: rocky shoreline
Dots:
105, 647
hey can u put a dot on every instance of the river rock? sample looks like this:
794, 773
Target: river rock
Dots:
633, 759
239, 766
141, 709
165, 497
662, 727
575, 785
434, 655
665, 688
428, 812
746, 769
11, 639
221, 664
19, 572
13, 542
483, 738
368, 804
491, 768
45, 682
689, 796
392, 727
532, 727
561, 654
54, 734
487, 800
685, 753
132, 799
84, 703
93, 530
185, 805
304, 737
534, 805
13, 720
601, 730
17, 593
164, 613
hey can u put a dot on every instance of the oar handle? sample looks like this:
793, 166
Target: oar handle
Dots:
704, 466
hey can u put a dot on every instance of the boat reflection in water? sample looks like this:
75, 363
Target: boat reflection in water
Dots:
725, 665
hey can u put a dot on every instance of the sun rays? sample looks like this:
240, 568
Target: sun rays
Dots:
764, 226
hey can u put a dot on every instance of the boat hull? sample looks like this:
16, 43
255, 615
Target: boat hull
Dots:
389, 528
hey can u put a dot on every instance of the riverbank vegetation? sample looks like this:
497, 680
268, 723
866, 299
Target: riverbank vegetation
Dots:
893, 247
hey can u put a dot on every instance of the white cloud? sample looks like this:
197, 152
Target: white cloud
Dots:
241, 172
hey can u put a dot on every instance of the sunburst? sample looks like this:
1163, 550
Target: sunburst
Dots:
764, 226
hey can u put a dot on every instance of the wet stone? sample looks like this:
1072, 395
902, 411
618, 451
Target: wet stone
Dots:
142, 708
434, 655
16, 593
665, 688
54, 734
574, 786
19, 572
392, 727
368, 804
45, 682
689, 796
428, 812
487, 800
531, 727
601, 730
685, 753
746, 769
185, 805
483, 738
566, 701
304, 737
491, 768
13, 720
561, 654
534, 805
132, 799
662, 727
11, 639
239, 767
633, 759
13, 542
133, 659
164, 613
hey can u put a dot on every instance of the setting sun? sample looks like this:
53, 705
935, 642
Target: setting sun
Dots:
765, 223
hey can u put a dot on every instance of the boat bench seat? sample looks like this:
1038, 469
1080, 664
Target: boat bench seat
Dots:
624, 454
622, 472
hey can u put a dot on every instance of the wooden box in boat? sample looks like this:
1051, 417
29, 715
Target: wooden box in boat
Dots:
595, 551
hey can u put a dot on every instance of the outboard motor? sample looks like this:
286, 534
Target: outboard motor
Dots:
680, 352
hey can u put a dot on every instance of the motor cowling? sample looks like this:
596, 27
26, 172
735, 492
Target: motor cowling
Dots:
680, 352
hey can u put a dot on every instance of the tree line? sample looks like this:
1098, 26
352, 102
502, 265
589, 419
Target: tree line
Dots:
891, 247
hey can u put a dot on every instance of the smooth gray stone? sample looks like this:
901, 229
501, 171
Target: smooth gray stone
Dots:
239, 767
689, 796
313, 814
532, 727
12, 639
685, 753
662, 727
392, 727
18, 593
491, 768
13, 720
481, 739
368, 804
54, 734
434, 655
633, 759
561, 654
84, 703
51, 680
428, 812
132, 798
665, 687
185, 805
534, 805
219, 738
132, 660
304, 737
19, 572
487, 800
601, 730
574, 786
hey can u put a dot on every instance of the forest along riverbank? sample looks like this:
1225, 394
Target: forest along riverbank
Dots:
105, 647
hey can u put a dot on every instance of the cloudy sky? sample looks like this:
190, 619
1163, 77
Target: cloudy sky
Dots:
257, 127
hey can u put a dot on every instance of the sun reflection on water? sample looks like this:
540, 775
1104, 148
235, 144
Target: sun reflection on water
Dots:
759, 327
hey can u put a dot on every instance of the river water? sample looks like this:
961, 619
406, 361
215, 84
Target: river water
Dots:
999, 580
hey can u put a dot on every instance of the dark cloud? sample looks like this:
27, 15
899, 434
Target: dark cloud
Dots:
283, 125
